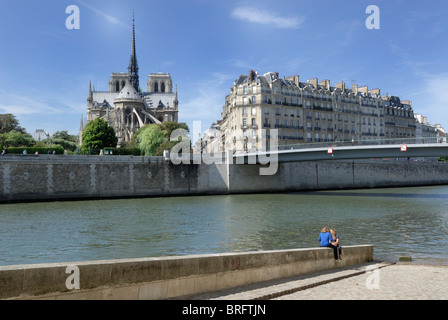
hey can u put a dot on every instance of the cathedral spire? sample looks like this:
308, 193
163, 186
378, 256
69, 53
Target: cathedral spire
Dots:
90, 96
133, 66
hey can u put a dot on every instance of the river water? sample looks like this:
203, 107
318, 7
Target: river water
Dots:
398, 222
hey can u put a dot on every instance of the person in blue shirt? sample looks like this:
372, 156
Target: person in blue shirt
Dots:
326, 240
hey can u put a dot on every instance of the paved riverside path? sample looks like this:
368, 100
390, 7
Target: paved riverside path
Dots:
370, 281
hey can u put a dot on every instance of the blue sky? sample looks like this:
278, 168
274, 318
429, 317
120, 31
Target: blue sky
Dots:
205, 45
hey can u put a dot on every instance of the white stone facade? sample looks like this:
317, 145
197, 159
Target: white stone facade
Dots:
310, 112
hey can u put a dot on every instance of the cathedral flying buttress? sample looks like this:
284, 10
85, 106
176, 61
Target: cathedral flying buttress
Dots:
126, 107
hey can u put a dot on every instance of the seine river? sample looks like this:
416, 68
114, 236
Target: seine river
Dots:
398, 222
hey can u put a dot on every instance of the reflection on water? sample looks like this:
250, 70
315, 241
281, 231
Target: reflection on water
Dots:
405, 221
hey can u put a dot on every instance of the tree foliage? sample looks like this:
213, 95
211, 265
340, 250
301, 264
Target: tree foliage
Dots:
8, 122
63, 135
98, 135
149, 138
169, 126
153, 139
15, 138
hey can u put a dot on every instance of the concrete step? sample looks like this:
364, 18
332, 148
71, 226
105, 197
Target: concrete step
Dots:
272, 289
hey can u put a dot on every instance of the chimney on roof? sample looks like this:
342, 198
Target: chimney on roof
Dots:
314, 82
364, 89
375, 91
341, 85
296, 79
252, 75
325, 83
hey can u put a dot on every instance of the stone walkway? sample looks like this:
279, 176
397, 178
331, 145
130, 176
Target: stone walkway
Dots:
377, 281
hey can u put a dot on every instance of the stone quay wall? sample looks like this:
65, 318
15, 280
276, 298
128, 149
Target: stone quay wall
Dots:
58, 177
166, 277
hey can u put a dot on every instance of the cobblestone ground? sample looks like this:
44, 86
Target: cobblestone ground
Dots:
394, 282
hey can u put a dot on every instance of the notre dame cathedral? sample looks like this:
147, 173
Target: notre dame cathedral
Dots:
126, 107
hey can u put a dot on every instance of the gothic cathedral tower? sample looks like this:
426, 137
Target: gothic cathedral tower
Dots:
133, 65
126, 107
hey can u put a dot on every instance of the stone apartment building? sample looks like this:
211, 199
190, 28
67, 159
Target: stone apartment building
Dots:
312, 112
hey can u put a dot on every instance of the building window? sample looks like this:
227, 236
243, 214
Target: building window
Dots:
308, 137
162, 87
253, 99
244, 100
244, 90
244, 111
253, 111
156, 87
254, 89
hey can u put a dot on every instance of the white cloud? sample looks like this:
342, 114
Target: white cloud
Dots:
266, 18
205, 102
106, 16
430, 98
437, 90
21, 105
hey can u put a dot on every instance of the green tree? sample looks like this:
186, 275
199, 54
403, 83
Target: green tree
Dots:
169, 126
98, 135
153, 139
66, 144
166, 145
15, 138
63, 135
149, 138
8, 122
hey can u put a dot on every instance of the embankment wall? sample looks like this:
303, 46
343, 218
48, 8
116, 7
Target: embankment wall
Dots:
167, 277
58, 177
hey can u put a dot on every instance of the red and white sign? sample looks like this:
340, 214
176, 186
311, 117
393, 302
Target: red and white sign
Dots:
404, 147
330, 150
